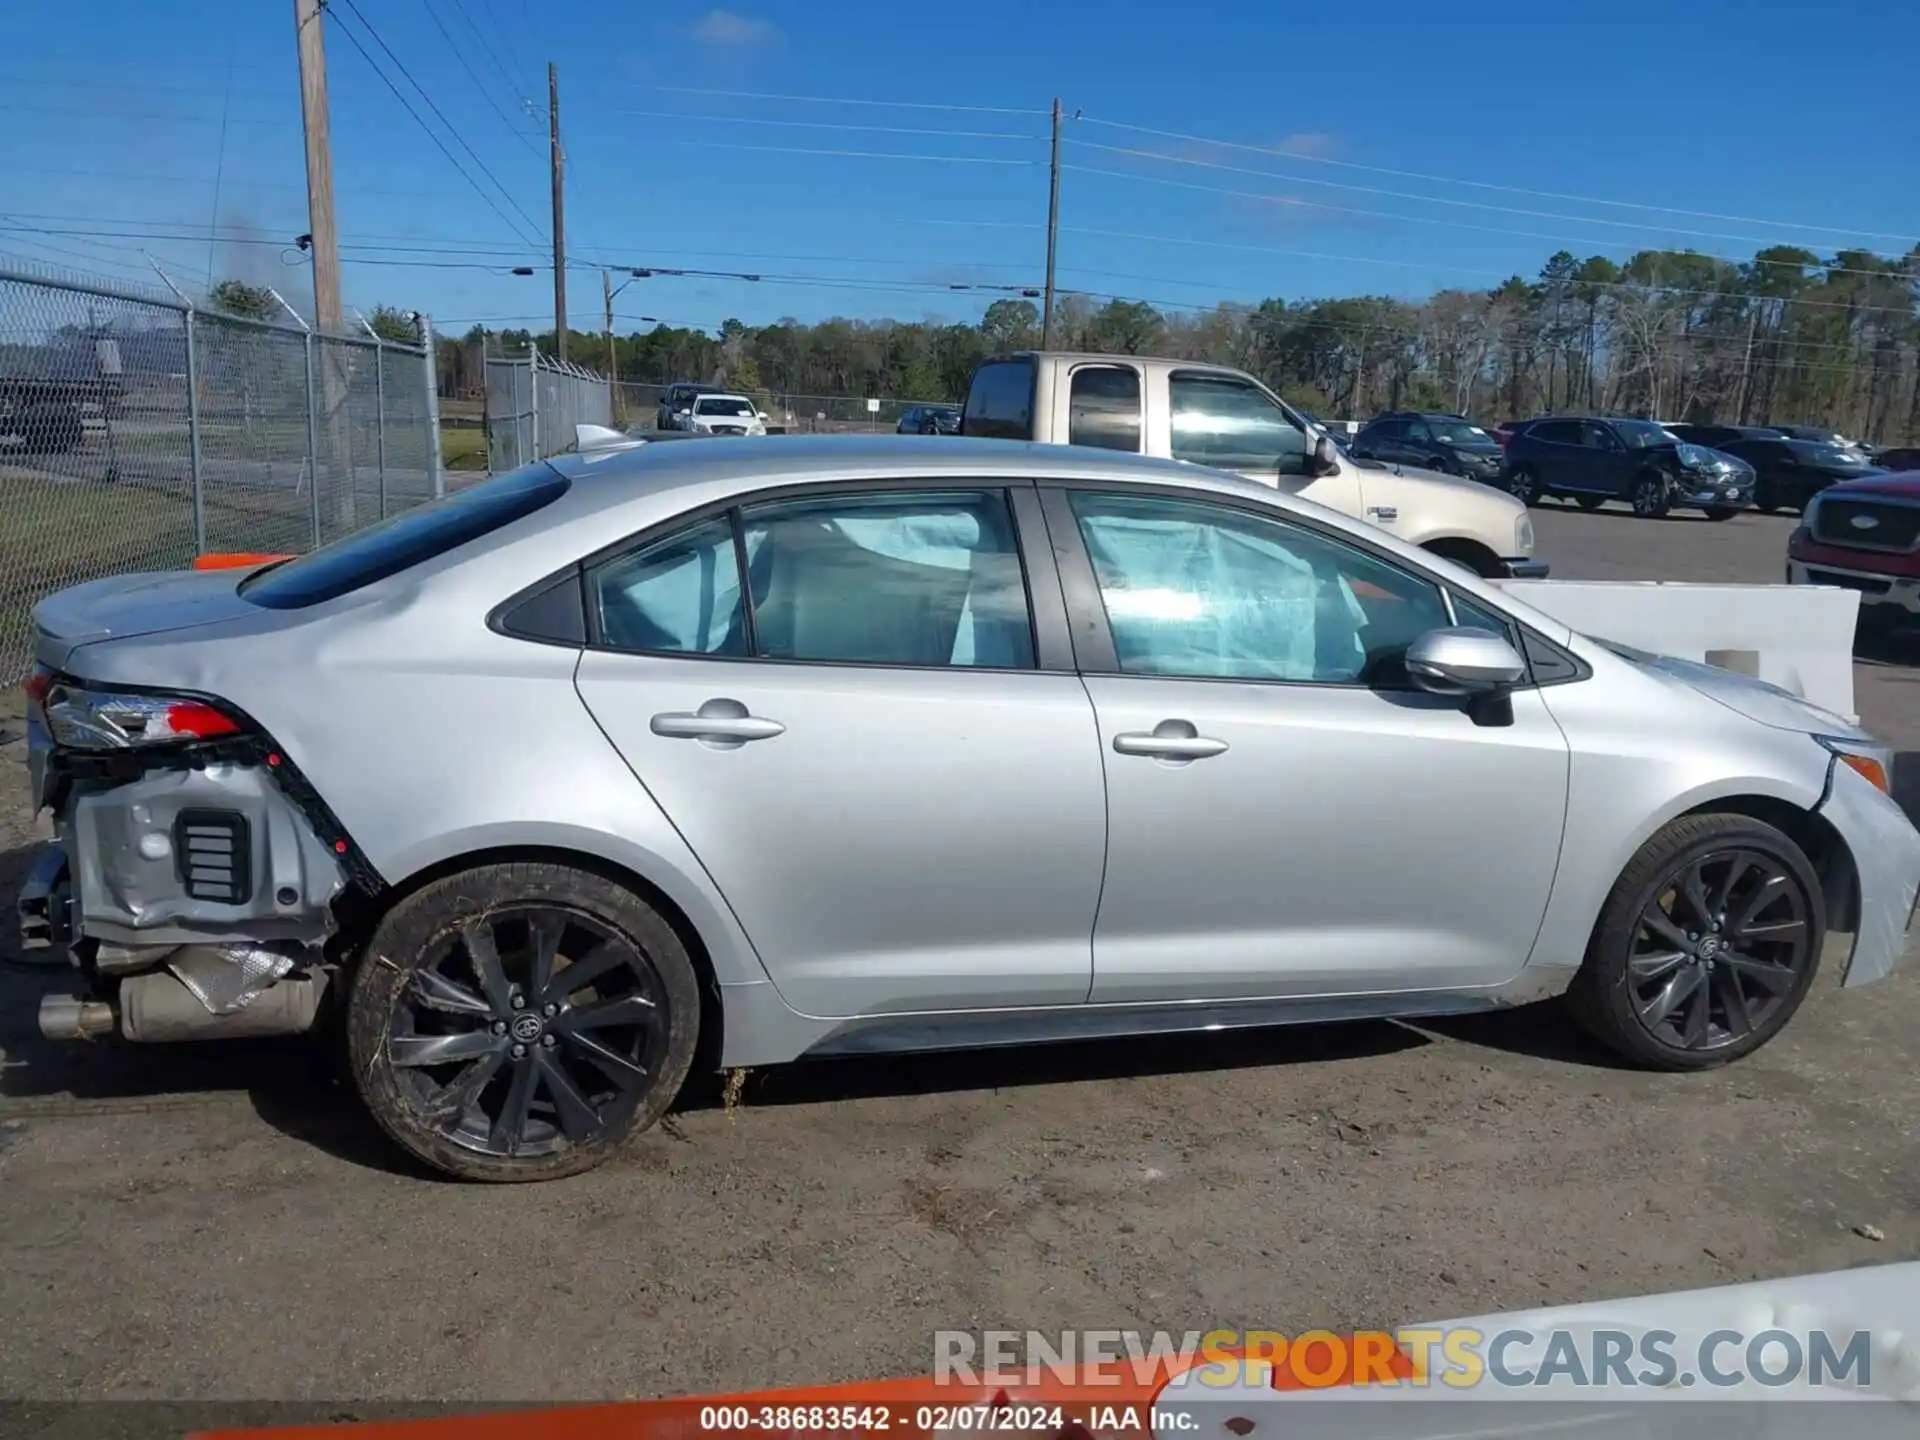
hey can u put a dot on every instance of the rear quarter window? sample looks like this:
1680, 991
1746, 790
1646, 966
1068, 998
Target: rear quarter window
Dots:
405, 540
1000, 401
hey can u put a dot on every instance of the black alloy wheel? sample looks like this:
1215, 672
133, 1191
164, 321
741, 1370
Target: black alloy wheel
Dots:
1719, 951
1706, 947
1522, 485
1650, 500
522, 1025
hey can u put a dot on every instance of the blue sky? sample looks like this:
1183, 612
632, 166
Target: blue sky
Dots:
1377, 142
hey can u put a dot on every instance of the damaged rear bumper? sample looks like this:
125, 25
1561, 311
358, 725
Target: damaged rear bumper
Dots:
197, 901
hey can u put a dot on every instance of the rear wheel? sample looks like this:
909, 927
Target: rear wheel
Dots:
1524, 486
520, 1021
1721, 512
1766, 497
1706, 946
1650, 497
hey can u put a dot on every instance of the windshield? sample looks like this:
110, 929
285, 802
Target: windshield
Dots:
1641, 434
1820, 452
1462, 433
723, 405
405, 540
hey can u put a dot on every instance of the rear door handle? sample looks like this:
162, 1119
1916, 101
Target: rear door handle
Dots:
1169, 740
724, 724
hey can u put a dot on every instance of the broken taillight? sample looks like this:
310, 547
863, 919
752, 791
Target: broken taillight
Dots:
79, 718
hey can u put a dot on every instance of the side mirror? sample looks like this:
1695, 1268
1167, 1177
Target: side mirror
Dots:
1326, 456
1464, 661
760, 415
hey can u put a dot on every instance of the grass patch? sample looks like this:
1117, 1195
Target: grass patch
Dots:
463, 448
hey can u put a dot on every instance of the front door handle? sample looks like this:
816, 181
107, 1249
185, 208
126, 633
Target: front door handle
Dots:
1175, 740
722, 724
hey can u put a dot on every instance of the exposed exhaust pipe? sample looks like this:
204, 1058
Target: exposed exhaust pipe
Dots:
156, 1008
68, 1017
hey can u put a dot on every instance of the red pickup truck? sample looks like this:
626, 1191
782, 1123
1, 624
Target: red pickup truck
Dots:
1864, 535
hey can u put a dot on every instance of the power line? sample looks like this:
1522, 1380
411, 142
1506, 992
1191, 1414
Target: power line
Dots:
451, 159
851, 154
827, 125
1449, 224
841, 100
1419, 199
486, 46
478, 84
1482, 184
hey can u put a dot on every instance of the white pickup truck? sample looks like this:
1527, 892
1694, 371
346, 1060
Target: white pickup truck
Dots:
1228, 420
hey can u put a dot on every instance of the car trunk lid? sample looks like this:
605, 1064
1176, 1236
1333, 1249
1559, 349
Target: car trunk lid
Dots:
127, 605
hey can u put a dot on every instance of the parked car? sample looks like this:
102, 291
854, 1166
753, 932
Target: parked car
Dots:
1594, 459
1863, 535
1789, 472
929, 420
1820, 435
1228, 420
717, 414
857, 745
676, 404
1450, 444
1899, 457
1715, 436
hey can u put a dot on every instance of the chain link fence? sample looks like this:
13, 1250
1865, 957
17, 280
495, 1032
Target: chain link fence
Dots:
533, 404
137, 431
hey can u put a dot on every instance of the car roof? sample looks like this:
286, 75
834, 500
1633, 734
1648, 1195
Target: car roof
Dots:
798, 459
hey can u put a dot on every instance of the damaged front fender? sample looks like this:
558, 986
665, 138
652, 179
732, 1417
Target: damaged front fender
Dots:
192, 856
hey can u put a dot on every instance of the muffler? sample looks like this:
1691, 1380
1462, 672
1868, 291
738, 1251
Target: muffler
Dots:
156, 1008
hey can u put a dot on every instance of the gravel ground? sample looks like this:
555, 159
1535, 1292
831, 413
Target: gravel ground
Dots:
224, 1224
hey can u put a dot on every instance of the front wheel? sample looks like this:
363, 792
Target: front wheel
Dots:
1706, 946
520, 1021
1650, 497
1590, 502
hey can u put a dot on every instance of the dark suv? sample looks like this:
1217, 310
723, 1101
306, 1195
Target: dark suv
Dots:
929, 420
1447, 443
1791, 472
1595, 459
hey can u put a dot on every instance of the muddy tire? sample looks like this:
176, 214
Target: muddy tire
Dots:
1706, 946
521, 1021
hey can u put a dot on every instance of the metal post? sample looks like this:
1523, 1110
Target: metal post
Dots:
197, 480
533, 398
380, 417
435, 459
1053, 229
313, 438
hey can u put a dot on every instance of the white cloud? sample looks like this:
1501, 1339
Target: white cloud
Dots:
725, 27
1311, 144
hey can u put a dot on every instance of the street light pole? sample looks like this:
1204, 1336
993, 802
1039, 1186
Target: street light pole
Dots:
608, 289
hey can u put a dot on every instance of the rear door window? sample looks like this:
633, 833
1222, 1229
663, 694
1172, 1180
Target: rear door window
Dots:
1104, 410
405, 540
1555, 432
1000, 401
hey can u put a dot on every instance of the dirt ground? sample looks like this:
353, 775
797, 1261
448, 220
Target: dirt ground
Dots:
224, 1224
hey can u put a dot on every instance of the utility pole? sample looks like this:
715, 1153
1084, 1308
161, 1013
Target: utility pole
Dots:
559, 213
1053, 230
313, 116
613, 362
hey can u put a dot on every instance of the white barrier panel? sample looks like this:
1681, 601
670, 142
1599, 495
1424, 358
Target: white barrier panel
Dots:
1799, 637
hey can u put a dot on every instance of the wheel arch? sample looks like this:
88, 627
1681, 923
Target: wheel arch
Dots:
1817, 838
676, 916
1475, 554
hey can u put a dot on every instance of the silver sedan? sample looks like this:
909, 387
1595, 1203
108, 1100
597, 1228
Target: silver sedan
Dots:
833, 746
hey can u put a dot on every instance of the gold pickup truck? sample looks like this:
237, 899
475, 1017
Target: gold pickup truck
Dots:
1227, 420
